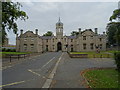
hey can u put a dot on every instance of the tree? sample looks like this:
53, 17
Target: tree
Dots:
74, 33
10, 14
49, 33
113, 29
115, 15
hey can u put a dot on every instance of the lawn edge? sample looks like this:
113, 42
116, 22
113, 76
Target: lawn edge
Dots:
83, 72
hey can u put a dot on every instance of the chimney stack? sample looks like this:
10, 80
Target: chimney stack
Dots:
21, 31
36, 31
96, 30
79, 30
103, 33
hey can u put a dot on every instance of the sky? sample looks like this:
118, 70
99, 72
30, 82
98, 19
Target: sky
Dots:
44, 15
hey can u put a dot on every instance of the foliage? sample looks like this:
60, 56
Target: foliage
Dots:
49, 33
10, 14
113, 29
103, 78
117, 60
116, 14
113, 32
74, 33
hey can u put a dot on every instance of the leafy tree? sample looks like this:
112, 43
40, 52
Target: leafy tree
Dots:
113, 29
49, 33
10, 14
74, 33
115, 15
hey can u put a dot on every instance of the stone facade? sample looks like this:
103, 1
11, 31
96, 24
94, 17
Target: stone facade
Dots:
87, 40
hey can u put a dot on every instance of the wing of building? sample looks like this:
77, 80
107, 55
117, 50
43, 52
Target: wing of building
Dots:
87, 40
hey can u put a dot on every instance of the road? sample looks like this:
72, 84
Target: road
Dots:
51, 70
31, 73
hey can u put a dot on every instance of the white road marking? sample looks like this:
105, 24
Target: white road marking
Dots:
50, 77
45, 64
12, 83
34, 72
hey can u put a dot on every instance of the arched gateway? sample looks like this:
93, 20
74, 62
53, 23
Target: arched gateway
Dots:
59, 46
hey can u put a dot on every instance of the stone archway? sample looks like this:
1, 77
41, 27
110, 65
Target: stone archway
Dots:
59, 46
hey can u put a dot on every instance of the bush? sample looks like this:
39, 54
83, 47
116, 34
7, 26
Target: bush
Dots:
3, 49
117, 60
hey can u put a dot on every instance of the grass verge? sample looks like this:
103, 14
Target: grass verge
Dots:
103, 78
95, 55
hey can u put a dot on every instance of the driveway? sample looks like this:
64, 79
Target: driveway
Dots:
68, 72
50, 70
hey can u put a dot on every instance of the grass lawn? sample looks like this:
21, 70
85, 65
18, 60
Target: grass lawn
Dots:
14, 52
2, 54
103, 78
94, 54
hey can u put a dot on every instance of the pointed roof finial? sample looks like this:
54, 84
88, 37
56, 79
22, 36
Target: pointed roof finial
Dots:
59, 18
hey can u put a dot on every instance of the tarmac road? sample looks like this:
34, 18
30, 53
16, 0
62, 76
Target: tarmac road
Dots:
30, 73
51, 70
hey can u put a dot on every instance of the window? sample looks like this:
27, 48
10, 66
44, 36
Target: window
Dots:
65, 39
47, 40
25, 47
32, 39
91, 45
53, 39
53, 47
71, 40
84, 37
25, 39
84, 46
32, 46
46, 47
71, 48
100, 46
100, 39
91, 37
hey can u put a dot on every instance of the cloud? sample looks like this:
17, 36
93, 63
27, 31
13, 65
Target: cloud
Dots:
44, 15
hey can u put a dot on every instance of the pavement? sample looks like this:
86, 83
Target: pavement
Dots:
50, 70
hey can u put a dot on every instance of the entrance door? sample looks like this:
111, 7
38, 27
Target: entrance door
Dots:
59, 46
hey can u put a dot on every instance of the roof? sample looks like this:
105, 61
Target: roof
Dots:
47, 37
71, 37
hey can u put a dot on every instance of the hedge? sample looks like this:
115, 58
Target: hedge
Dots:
117, 60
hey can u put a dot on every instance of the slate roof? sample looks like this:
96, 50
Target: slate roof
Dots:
47, 37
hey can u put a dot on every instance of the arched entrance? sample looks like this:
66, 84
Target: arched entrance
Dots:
59, 46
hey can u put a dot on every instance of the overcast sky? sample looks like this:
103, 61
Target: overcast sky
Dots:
74, 15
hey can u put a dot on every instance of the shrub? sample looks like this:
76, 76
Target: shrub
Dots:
3, 49
117, 60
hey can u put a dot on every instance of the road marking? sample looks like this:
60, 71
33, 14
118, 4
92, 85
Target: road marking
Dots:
12, 83
50, 77
34, 72
45, 64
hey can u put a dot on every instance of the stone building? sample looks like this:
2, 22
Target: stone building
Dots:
86, 40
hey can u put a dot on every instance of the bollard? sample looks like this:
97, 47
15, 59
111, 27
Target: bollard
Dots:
24, 56
10, 58
18, 57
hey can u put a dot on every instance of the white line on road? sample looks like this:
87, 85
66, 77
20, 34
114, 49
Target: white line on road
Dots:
45, 64
12, 83
49, 80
